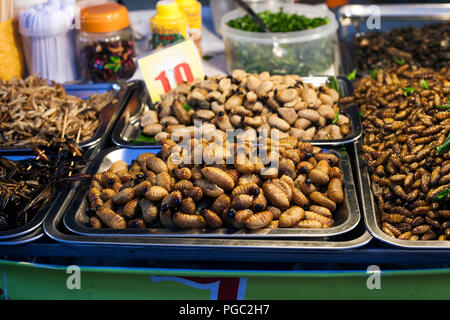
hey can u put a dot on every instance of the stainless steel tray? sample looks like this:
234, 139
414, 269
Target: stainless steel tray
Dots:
213, 248
353, 18
107, 115
31, 225
346, 218
370, 213
128, 126
126, 94
29, 237
253, 249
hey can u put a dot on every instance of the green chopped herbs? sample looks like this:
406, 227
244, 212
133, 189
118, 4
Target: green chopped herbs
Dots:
399, 62
444, 107
333, 84
351, 76
207, 57
407, 90
143, 139
444, 146
424, 84
304, 59
442, 195
277, 22
361, 114
187, 107
336, 118
373, 73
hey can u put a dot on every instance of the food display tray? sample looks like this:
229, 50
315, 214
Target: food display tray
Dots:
370, 212
31, 225
214, 248
126, 95
353, 21
346, 218
107, 115
128, 127
29, 237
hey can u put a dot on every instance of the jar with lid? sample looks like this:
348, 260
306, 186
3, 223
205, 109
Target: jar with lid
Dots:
105, 43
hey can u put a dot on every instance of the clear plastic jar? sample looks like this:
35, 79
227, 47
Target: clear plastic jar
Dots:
105, 44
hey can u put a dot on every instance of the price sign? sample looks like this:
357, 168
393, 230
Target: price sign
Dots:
166, 68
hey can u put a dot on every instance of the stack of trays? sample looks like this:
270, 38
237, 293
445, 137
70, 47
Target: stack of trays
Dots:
33, 230
69, 224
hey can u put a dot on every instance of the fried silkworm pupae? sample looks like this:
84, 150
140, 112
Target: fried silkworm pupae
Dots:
155, 191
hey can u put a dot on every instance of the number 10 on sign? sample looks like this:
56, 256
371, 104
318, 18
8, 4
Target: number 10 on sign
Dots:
166, 68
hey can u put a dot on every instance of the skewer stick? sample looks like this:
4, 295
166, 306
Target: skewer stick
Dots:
74, 153
64, 125
78, 136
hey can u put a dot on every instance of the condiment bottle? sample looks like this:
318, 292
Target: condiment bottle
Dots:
193, 11
168, 25
105, 44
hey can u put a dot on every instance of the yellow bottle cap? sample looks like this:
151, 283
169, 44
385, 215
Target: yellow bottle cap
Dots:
168, 8
186, 1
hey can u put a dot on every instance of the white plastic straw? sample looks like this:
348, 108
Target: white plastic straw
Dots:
51, 42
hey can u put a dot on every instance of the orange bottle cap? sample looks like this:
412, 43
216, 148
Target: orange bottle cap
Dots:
336, 3
104, 18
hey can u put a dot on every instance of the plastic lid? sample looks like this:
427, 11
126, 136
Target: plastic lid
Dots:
46, 19
104, 18
168, 8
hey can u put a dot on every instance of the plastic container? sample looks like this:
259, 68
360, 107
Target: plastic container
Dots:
105, 44
48, 38
193, 11
307, 53
220, 7
168, 25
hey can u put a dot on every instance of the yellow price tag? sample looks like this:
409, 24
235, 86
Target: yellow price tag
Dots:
168, 67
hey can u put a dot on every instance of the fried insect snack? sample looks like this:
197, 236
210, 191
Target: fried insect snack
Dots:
32, 112
406, 149
156, 190
249, 102
426, 46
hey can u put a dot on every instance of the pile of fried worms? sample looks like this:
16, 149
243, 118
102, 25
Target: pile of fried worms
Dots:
30, 185
33, 111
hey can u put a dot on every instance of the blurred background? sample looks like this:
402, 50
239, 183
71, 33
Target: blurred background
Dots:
150, 4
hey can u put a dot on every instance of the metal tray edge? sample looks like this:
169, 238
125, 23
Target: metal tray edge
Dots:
27, 238
405, 11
